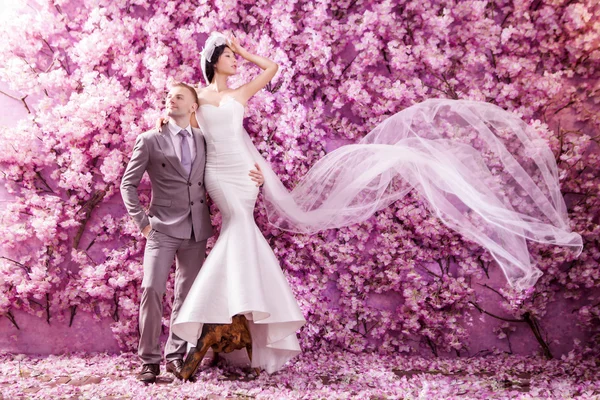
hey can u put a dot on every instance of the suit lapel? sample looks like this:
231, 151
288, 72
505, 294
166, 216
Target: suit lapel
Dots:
165, 142
200, 159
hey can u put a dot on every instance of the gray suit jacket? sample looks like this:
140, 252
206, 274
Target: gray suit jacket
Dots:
174, 195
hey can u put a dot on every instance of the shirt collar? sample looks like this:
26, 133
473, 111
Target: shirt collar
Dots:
174, 128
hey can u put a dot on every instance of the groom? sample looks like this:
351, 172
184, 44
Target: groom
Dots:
176, 225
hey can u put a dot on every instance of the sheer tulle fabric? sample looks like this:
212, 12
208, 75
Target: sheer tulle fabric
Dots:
479, 168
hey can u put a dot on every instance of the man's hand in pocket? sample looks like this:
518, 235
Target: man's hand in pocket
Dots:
146, 230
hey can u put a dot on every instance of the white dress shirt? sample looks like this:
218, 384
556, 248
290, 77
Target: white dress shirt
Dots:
174, 129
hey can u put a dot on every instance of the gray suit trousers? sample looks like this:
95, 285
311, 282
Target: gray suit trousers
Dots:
158, 258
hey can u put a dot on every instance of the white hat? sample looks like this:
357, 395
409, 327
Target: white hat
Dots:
215, 39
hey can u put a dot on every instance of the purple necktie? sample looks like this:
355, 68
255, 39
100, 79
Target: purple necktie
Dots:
186, 154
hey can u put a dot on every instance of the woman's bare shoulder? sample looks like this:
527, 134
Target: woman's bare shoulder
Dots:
203, 94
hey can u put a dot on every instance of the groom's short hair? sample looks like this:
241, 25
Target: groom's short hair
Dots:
190, 88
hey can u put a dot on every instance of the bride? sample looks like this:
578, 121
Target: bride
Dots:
453, 153
241, 275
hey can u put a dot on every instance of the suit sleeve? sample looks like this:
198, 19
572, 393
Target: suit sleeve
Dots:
131, 179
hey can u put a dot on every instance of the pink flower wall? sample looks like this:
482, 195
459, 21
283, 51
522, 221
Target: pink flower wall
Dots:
88, 76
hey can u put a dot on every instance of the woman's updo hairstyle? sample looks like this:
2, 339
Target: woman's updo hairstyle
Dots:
210, 64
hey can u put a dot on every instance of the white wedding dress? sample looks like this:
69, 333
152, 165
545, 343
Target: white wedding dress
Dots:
241, 275
480, 169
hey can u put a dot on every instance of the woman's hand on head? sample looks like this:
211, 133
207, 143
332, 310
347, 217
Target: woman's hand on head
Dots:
234, 44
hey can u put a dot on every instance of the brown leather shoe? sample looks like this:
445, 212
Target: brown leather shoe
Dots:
149, 373
175, 367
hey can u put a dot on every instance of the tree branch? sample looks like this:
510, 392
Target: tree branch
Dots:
48, 308
73, 312
431, 345
39, 175
481, 310
21, 99
88, 207
493, 290
116, 313
531, 322
348, 66
535, 327
25, 267
484, 267
11, 318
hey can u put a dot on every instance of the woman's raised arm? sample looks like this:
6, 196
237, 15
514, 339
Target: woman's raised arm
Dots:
246, 91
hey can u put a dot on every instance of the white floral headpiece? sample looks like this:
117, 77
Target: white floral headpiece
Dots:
215, 39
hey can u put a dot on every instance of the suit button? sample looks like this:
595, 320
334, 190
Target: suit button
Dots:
201, 201
199, 183
164, 165
189, 183
192, 203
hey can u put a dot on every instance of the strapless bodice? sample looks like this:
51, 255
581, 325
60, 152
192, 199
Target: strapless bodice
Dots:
223, 124
223, 132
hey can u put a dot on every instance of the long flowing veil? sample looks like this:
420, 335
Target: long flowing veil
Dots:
482, 171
